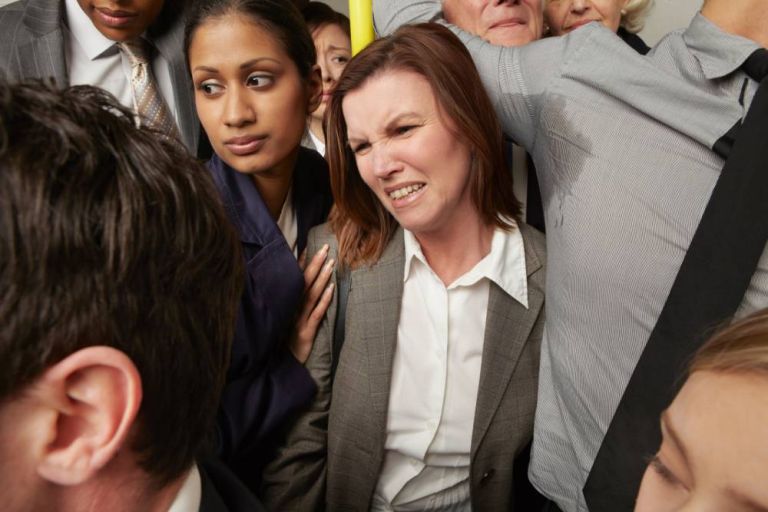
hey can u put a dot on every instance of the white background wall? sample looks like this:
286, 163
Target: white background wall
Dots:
666, 15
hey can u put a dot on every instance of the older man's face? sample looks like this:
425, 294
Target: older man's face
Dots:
500, 22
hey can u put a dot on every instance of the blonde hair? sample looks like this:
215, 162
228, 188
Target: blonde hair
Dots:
740, 347
634, 14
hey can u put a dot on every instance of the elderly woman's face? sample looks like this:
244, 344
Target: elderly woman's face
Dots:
562, 16
407, 153
714, 451
503, 23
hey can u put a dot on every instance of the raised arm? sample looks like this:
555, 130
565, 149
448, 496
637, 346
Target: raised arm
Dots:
516, 78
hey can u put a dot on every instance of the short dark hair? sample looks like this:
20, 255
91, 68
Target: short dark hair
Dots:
318, 14
361, 223
112, 235
280, 18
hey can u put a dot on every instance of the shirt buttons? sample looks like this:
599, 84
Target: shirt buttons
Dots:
487, 476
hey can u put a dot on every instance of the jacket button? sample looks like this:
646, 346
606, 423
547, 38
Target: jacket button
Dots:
487, 476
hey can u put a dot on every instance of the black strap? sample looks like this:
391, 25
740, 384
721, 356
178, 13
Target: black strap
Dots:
343, 287
708, 289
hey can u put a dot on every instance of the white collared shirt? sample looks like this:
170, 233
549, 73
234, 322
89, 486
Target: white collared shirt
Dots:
190, 495
436, 369
319, 145
93, 59
288, 224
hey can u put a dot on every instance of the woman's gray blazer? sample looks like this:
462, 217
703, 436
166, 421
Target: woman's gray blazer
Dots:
332, 456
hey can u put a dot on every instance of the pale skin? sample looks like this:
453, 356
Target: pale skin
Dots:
564, 16
714, 449
746, 18
407, 143
253, 104
65, 440
334, 49
500, 22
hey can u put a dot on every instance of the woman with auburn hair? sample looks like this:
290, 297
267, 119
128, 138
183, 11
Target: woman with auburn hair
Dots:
625, 17
433, 392
714, 450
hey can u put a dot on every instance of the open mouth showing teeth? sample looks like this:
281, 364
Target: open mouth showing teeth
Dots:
405, 191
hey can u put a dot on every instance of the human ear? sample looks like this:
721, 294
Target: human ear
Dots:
95, 394
314, 89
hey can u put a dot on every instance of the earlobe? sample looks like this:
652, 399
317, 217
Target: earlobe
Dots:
96, 394
315, 89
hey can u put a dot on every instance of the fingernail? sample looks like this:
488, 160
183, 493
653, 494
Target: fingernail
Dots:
329, 265
329, 288
325, 248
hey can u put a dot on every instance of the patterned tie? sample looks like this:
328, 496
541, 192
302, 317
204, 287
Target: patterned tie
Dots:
148, 103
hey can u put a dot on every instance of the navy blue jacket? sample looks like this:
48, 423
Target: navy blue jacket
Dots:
266, 386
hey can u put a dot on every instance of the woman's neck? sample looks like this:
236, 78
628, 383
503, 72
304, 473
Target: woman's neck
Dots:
316, 127
273, 184
454, 250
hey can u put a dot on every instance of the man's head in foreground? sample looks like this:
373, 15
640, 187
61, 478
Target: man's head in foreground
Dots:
119, 278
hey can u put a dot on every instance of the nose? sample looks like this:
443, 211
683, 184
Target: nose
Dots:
238, 110
579, 6
384, 164
325, 70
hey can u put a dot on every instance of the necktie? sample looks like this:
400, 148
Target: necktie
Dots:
148, 102
708, 289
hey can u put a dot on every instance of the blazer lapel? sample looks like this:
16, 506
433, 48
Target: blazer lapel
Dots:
376, 293
507, 328
43, 56
168, 36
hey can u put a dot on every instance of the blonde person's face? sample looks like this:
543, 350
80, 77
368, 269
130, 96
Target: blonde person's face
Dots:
714, 452
563, 16
500, 22
334, 50
250, 97
407, 153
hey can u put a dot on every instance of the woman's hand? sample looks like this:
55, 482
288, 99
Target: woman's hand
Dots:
317, 296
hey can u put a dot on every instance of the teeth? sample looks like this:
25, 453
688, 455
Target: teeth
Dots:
405, 191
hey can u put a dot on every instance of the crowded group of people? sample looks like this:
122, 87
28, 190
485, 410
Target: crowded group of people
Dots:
507, 257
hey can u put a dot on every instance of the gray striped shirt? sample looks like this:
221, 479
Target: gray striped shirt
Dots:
622, 144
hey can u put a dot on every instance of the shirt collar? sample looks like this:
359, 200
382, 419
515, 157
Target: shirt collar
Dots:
504, 265
718, 52
93, 42
190, 495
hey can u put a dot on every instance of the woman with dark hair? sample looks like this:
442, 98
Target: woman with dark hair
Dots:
714, 449
253, 69
330, 33
433, 393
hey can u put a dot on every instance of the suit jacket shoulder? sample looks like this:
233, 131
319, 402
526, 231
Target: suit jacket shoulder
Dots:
32, 41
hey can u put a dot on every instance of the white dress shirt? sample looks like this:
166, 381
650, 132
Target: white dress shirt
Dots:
288, 225
93, 59
319, 145
436, 374
190, 495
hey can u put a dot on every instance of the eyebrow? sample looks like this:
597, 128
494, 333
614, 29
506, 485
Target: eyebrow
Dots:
343, 48
746, 500
392, 122
666, 427
244, 65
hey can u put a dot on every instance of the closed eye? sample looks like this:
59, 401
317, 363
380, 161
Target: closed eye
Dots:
664, 472
405, 129
360, 148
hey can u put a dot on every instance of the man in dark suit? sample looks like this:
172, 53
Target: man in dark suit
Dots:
79, 42
119, 282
